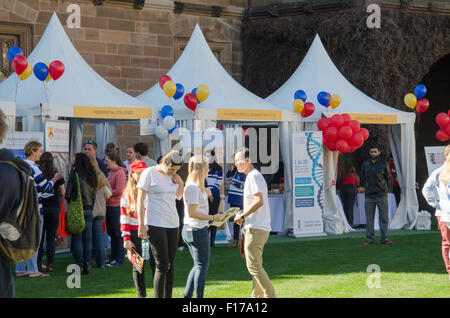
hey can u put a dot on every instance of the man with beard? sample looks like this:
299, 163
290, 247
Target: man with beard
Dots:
376, 178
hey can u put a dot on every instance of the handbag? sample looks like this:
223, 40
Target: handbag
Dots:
62, 230
75, 216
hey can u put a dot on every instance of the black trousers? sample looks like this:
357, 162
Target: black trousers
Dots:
139, 278
236, 227
49, 230
348, 196
164, 243
180, 211
213, 209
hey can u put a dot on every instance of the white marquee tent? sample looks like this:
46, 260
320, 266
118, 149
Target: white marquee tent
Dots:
79, 93
317, 73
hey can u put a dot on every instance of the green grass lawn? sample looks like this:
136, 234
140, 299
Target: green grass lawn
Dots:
332, 266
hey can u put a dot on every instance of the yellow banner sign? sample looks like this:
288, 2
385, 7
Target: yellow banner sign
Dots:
248, 114
112, 112
375, 119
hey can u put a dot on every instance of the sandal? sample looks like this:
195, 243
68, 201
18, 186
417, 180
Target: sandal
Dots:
38, 274
21, 274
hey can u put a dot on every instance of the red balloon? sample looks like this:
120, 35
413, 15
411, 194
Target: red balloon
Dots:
331, 145
447, 129
422, 105
337, 121
347, 118
448, 112
220, 127
19, 64
323, 124
345, 132
365, 133
324, 141
441, 135
357, 140
331, 134
190, 100
308, 110
341, 145
442, 119
56, 69
353, 148
163, 80
354, 125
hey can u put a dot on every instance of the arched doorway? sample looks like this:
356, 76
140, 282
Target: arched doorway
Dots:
437, 81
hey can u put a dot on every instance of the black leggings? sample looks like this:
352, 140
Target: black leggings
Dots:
138, 278
164, 243
213, 209
49, 230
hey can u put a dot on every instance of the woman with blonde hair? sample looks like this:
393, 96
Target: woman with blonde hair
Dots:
196, 222
103, 192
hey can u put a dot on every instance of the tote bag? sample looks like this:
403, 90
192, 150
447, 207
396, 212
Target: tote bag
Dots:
75, 215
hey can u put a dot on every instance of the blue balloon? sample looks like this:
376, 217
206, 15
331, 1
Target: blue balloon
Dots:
167, 110
40, 70
180, 91
13, 51
420, 91
323, 98
194, 91
300, 95
174, 128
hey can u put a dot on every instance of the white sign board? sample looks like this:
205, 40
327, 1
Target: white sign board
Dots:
16, 141
307, 170
57, 136
435, 157
147, 126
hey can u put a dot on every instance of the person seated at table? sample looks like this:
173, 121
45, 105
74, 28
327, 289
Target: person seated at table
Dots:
348, 182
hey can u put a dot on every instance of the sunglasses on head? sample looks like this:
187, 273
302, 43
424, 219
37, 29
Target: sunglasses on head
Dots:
90, 142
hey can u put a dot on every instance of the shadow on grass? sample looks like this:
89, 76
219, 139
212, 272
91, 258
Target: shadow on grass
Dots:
284, 258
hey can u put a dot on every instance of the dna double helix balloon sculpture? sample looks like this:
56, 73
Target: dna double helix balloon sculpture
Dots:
314, 151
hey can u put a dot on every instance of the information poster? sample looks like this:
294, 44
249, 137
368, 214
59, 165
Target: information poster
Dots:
16, 141
147, 126
307, 161
435, 157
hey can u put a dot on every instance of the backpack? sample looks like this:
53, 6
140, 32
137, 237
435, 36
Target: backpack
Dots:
20, 231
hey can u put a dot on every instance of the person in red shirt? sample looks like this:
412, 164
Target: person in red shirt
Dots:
348, 181
395, 184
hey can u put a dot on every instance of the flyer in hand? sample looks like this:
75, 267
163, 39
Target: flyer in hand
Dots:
136, 260
227, 215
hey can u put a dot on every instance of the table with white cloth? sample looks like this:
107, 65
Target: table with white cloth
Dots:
276, 207
359, 211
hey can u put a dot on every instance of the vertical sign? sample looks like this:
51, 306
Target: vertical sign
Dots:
307, 170
435, 157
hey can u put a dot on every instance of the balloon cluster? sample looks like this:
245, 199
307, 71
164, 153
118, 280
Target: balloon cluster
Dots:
443, 121
341, 133
416, 100
169, 124
191, 100
301, 106
42, 71
326, 99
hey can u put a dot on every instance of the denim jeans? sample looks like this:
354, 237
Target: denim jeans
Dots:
113, 228
197, 241
30, 265
98, 242
81, 243
383, 217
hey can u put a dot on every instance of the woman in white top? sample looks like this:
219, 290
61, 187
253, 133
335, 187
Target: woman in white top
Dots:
159, 222
195, 230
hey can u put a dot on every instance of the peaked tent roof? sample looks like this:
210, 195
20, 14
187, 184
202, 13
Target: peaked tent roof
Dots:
228, 100
79, 86
317, 73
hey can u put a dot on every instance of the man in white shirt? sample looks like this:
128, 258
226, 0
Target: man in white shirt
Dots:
255, 219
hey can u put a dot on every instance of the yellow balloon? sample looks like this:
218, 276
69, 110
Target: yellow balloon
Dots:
49, 77
298, 106
335, 100
202, 92
410, 100
26, 73
170, 88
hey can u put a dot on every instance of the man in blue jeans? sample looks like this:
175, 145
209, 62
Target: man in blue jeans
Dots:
376, 178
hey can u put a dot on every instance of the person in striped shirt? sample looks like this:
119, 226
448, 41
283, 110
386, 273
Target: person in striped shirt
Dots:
214, 182
129, 223
235, 197
33, 152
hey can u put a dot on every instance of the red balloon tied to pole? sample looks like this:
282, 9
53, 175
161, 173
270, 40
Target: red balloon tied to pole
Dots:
331, 145
365, 133
337, 121
357, 140
323, 124
341, 145
346, 118
163, 79
308, 109
345, 132
447, 129
422, 105
442, 119
190, 100
441, 135
354, 125
56, 69
331, 134
19, 64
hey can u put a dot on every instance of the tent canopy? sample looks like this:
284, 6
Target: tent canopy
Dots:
79, 92
317, 73
228, 100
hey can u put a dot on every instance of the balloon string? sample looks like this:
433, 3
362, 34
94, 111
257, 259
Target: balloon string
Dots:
17, 87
